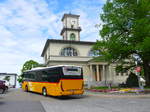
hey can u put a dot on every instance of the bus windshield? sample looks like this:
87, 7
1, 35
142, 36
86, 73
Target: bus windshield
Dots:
71, 70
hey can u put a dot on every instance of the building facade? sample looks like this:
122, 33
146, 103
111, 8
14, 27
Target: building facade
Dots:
10, 77
72, 51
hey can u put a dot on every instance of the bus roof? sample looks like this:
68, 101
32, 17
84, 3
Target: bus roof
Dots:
43, 68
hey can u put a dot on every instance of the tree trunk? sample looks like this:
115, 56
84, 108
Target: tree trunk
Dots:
146, 67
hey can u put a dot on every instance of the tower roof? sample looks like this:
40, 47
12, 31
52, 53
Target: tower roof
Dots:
69, 15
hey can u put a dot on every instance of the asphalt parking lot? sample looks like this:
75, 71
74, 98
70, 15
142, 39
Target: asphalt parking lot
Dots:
16, 100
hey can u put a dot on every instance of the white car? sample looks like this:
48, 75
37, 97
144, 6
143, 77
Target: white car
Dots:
7, 84
142, 81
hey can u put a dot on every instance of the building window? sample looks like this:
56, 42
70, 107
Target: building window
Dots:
117, 74
69, 52
45, 57
121, 73
72, 36
93, 53
72, 26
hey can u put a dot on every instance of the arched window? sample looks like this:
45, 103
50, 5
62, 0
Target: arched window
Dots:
93, 53
68, 51
72, 36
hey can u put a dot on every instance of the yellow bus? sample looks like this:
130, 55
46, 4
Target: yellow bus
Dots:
55, 80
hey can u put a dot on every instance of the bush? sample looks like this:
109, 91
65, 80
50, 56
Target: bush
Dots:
132, 80
100, 87
122, 85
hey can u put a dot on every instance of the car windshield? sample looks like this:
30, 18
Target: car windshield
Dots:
2, 81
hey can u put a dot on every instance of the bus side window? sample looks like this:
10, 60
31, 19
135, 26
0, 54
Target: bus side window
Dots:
53, 75
26, 76
44, 76
38, 76
55, 71
32, 76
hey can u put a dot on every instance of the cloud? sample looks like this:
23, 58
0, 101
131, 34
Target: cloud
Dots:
25, 26
89, 11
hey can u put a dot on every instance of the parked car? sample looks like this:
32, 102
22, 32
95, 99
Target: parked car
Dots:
7, 84
2, 86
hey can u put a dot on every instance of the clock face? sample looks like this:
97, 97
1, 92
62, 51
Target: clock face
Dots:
73, 22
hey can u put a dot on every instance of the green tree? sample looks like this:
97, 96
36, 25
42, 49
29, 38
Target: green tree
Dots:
7, 78
132, 80
126, 33
28, 65
20, 78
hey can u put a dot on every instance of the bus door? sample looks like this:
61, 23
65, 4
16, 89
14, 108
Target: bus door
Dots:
31, 81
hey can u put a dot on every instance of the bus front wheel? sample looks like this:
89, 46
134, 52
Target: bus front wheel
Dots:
44, 92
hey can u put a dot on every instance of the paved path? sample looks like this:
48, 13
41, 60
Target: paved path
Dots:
21, 106
19, 101
15, 100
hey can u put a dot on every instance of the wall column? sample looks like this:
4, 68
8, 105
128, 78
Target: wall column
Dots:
104, 74
90, 78
91, 73
110, 74
97, 73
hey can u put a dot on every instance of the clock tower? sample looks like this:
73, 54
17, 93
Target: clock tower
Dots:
71, 29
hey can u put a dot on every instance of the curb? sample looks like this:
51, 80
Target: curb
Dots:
121, 95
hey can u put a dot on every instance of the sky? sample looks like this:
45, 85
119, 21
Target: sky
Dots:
25, 25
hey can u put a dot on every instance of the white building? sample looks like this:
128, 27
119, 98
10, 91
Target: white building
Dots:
12, 78
70, 50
